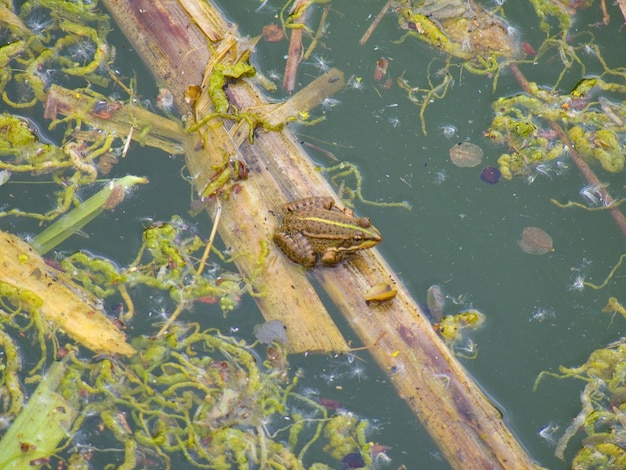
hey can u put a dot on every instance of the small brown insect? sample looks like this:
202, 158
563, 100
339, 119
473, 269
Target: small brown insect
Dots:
27, 447
114, 199
381, 69
273, 33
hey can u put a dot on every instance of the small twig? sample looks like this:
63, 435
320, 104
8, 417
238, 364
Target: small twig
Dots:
324, 152
374, 24
209, 245
294, 55
622, 7
171, 319
205, 256
118, 82
129, 139
605, 14
318, 34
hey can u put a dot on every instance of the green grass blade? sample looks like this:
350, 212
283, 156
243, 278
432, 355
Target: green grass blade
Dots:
73, 221
41, 425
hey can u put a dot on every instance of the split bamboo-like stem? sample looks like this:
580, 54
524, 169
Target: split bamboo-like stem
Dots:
374, 24
468, 429
466, 426
165, 134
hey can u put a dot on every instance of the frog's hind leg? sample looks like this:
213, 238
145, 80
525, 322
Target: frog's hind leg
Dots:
296, 247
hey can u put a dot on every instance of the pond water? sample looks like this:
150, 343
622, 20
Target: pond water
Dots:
461, 234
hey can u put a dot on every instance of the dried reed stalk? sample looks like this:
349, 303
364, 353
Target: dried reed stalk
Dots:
57, 298
164, 133
176, 51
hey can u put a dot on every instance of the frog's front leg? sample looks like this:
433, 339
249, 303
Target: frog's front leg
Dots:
332, 256
297, 248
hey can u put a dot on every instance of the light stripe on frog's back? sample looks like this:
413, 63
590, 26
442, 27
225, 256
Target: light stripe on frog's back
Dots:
323, 221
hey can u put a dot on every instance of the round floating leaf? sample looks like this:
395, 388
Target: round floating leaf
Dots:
466, 154
535, 241
270, 331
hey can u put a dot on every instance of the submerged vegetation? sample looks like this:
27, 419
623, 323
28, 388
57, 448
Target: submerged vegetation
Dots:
602, 416
541, 125
192, 395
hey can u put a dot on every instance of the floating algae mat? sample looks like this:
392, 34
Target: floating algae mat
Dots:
193, 396
188, 395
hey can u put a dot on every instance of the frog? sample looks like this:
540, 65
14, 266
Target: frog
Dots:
315, 230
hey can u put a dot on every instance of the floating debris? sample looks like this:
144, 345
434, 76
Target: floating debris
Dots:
352, 460
435, 300
379, 293
466, 154
447, 130
490, 174
535, 241
614, 307
528, 49
5, 175
540, 314
381, 69
451, 326
270, 331
165, 100
273, 33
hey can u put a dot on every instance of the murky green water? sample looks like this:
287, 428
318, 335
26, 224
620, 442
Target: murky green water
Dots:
461, 234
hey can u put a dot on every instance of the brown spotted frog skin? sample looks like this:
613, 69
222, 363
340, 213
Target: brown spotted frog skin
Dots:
314, 228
